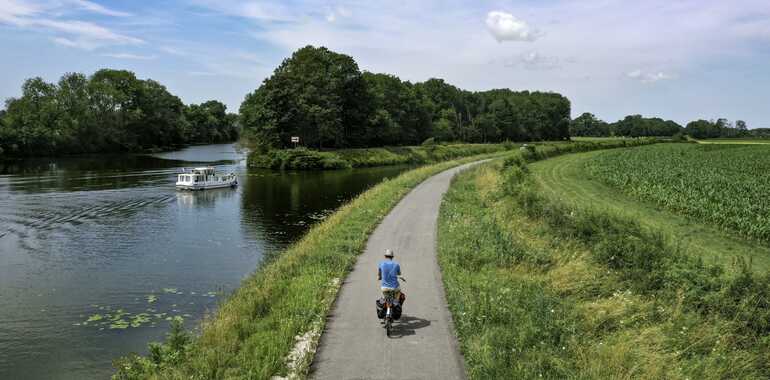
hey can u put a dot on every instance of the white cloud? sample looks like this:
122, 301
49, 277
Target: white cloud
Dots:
97, 8
634, 74
202, 73
505, 27
129, 56
332, 14
649, 77
534, 60
80, 34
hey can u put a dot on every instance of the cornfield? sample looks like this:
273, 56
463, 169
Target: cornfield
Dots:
728, 185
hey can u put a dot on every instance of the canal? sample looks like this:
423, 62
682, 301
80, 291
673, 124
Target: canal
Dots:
97, 253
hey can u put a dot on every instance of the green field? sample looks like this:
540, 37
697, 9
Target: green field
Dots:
544, 284
565, 178
726, 185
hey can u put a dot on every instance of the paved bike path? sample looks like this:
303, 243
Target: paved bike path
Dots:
423, 345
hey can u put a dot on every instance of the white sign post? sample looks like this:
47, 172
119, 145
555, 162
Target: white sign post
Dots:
295, 140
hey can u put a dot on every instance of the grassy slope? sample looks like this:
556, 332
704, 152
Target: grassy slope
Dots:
540, 293
252, 333
563, 177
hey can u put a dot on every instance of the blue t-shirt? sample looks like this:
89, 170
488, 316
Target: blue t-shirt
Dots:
390, 271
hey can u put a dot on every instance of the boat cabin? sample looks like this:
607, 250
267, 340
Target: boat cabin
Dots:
197, 175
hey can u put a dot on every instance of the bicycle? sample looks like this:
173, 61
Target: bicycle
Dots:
390, 300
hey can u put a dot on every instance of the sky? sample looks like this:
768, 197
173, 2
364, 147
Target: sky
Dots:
680, 60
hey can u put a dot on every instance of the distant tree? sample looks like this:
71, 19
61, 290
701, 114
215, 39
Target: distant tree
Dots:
638, 126
588, 125
110, 111
701, 129
321, 97
317, 94
209, 122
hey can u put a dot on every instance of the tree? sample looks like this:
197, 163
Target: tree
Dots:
316, 94
110, 111
588, 125
209, 122
321, 97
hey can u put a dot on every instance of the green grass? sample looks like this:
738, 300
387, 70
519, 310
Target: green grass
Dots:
252, 333
565, 178
726, 185
307, 159
739, 141
540, 288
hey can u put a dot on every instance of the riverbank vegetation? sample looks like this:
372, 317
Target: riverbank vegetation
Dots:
304, 159
109, 111
253, 332
543, 289
324, 99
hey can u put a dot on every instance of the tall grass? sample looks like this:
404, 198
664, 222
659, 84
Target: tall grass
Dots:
538, 289
252, 333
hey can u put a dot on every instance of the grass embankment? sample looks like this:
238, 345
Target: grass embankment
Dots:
543, 289
253, 332
308, 159
567, 178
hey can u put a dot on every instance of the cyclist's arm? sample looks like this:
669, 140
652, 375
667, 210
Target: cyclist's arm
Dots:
379, 274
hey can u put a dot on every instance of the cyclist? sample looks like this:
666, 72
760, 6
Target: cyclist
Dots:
388, 273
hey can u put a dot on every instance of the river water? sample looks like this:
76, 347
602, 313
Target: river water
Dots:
98, 252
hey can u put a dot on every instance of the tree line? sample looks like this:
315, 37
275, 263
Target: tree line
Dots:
110, 111
588, 125
324, 99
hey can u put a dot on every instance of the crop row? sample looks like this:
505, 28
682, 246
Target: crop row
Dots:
727, 185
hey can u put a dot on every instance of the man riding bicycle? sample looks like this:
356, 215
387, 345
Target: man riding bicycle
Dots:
388, 273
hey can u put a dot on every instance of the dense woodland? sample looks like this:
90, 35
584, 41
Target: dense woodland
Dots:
110, 111
323, 98
588, 125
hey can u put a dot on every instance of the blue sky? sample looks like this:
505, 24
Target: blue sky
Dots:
679, 60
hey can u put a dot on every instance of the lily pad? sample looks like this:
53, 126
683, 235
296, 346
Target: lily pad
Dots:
95, 317
119, 324
152, 298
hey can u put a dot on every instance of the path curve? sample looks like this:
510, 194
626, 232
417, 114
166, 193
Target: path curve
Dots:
424, 344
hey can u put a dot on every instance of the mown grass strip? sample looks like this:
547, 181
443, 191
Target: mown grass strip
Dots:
252, 333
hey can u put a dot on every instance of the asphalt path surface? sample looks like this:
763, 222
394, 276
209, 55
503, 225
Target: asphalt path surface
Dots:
423, 344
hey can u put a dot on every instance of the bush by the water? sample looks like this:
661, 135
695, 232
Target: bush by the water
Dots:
305, 159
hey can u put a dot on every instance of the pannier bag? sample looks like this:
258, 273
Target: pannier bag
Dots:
380, 303
396, 311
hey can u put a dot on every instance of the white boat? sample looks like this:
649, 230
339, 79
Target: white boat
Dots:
205, 178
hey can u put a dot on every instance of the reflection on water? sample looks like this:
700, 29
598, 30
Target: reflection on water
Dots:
86, 239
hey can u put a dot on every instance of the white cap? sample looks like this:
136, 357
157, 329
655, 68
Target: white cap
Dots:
389, 253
